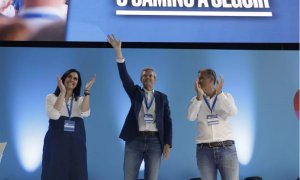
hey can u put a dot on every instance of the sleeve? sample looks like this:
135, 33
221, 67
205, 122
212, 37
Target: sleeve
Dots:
127, 82
120, 60
167, 123
86, 113
51, 111
225, 106
193, 109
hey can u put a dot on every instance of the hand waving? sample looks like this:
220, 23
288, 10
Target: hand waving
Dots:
114, 42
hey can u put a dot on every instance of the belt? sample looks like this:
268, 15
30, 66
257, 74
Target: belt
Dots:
216, 144
148, 133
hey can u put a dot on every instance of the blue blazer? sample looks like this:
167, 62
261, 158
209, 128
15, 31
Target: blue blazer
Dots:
163, 116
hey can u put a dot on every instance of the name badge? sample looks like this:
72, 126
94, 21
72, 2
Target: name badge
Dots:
148, 118
212, 119
69, 126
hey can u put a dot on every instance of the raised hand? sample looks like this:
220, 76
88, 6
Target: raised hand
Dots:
219, 85
113, 41
90, 83
198, 90
61, 85
116, 44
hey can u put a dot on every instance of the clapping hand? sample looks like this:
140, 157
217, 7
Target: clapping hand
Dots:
220, 84
198, 89
90, 83
61, 85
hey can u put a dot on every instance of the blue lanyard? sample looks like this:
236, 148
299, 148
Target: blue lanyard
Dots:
70, 109
148, 106
40, 15
213, 105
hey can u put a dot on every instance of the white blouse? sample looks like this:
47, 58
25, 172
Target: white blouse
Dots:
55, 114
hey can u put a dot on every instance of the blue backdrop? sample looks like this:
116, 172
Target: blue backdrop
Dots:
263, 84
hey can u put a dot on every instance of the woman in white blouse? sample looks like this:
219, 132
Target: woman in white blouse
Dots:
64, 152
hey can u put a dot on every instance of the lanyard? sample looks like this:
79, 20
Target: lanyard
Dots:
70, 109
148, 106
213, 105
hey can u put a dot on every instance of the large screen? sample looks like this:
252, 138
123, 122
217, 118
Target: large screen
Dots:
185, 21
32, 20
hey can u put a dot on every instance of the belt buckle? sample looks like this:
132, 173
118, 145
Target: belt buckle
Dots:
215, 144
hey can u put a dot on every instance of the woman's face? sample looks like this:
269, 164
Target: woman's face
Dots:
71, 81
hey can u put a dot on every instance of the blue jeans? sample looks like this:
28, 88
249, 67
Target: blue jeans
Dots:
224, 159
142, 148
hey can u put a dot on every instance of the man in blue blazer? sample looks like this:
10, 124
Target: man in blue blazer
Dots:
148, 126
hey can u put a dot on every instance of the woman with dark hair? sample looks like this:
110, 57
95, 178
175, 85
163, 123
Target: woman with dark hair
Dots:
64, 152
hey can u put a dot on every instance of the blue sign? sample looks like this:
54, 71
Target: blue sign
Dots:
192, 21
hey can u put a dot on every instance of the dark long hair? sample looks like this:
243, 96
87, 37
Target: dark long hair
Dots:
77, 89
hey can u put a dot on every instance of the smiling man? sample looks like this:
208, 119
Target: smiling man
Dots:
147, 130
212, 109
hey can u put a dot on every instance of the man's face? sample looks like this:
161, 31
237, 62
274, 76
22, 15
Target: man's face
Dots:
148, 79
204, 80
